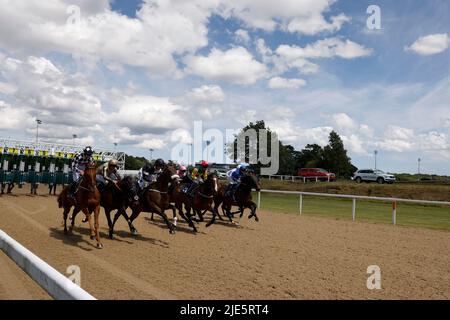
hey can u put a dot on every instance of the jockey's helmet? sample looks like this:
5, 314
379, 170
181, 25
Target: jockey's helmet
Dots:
113, 163
183, 169
204, 164
243, 167
159, 163
88, 151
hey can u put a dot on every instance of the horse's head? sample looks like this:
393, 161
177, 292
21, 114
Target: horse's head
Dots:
213, 177
168, 174
251, 180
211, 184
127, 184
89, 175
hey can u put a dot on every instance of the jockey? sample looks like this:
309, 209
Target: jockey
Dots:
109, 173
182, 172
198, 175
149, 173
234, 177
79, 164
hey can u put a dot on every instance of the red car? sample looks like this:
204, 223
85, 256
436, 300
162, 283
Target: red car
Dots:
313, 173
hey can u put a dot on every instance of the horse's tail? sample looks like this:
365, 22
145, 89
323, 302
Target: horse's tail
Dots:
60, 200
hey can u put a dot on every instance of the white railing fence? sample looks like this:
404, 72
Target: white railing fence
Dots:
354, 198
57, 286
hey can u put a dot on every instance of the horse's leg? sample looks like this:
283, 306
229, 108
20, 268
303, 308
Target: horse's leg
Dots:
156, 209
241, 208
228, 212
97, 226
123, 212
91, 225
186, 218
110, 224
199, 214
74, 214
151, 218
253, 208
135, 213
194, 213
213, 219
215, 212
108, 216
218, 214
174, 213
65, 214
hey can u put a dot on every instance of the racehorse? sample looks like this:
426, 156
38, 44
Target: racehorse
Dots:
116, 196
242, 198
202, 201
87, 199
154, 198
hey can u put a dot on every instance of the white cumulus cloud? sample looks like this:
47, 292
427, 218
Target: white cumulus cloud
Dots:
207, 94
235, 65
283, 83
431, 44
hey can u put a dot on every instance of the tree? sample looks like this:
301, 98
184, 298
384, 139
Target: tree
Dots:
288, 160
335, 157
134, 163
332, 157
310, 157
251, 144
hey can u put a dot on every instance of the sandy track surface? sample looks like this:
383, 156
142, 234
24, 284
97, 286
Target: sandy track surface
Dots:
15, 283
282, 257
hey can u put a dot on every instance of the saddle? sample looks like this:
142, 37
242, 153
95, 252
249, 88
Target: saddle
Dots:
189, 189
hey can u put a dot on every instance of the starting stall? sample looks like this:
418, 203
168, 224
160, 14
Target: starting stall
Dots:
23, 162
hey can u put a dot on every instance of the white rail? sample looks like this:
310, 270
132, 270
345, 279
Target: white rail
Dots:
56, 285
394, 201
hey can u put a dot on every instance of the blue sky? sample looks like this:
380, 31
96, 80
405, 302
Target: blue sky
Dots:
143, 72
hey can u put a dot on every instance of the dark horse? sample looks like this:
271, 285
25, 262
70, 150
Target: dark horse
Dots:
87, 199
202, 201
242, 198
154, 198
117, 196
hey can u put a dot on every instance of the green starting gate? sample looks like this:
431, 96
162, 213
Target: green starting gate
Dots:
44, 163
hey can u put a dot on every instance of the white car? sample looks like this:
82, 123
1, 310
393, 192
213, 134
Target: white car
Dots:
370, 175
222, 175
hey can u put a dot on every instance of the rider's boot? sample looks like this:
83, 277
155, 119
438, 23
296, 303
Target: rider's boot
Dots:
73, 190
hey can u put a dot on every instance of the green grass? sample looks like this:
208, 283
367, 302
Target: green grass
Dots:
412, 215
396, 190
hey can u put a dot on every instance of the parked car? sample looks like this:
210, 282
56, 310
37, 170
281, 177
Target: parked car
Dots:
313, 173
221, 169
370, 175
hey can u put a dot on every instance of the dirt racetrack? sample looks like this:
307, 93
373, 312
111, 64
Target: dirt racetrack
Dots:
281, 257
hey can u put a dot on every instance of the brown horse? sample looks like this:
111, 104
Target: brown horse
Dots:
87, 199
242, 198
116, 196
155, 198
202, 201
